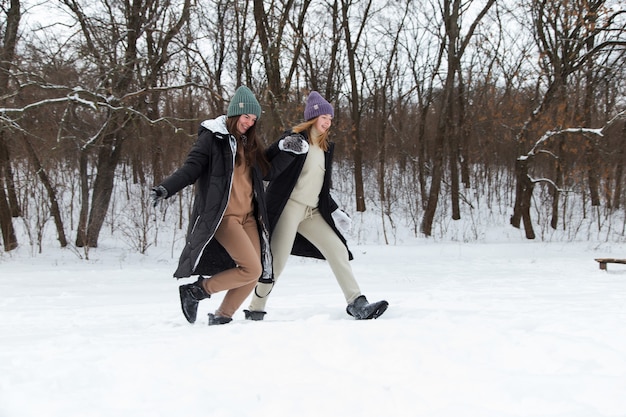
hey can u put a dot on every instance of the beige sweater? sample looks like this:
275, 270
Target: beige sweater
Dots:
240, 203
309, 184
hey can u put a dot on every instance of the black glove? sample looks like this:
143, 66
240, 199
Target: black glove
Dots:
294, 144
157, 194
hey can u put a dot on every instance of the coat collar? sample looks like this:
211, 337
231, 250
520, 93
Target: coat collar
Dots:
217, 125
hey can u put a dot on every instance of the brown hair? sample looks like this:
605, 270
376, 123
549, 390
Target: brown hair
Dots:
322, 140
253, 150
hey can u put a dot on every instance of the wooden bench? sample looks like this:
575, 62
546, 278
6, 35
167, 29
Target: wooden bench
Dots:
604, 261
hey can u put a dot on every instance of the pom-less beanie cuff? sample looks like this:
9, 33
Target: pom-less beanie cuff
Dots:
244, 102
316, 105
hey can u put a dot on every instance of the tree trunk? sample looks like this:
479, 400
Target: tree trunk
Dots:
271, 61
45, 180
433, 195
7, 173
453, 161
464, 135
588, 106
592, 174
81, 232
523, 197
381, 142
526, 201
438, 158
619, 173
357, 155
9, 239
355, 115
521, 169
6, 216
108, 158
445, 121
421, 153
556, 194
9, 206
270, 27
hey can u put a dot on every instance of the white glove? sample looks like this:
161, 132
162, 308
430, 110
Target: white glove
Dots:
294, 144
342, 220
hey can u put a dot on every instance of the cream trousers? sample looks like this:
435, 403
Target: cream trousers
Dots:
300, 218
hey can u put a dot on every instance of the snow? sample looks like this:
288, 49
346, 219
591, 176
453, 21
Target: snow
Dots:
499, 328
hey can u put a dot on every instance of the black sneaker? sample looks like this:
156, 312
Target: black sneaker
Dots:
190, 295
254, 315
361, 309
214, 320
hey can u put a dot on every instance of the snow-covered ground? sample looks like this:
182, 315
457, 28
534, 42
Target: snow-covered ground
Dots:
473, 329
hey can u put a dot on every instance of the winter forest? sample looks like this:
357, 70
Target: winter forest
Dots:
450, 116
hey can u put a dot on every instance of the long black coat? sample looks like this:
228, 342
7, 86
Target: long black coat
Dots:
286, 169
210, 164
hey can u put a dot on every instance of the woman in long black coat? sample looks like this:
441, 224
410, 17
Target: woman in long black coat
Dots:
228, 235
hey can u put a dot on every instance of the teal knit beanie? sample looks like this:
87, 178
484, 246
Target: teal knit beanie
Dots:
244, 102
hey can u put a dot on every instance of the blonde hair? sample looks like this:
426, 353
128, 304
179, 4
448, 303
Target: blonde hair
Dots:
321, 140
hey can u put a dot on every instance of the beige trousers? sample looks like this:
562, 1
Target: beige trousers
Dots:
300, 218
240, 237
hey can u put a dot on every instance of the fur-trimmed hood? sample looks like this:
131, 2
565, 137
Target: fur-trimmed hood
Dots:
217, 125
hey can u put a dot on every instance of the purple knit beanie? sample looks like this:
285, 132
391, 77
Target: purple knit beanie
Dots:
316, 106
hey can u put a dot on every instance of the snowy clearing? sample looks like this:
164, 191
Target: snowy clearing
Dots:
473, 329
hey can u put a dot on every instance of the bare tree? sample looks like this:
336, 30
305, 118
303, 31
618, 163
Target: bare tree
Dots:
380, 71
447, 126
541, 146
359, 12
424, 70
113, 37
8, 202
408, 85
271, 26
322, 53
565, 35
208, 54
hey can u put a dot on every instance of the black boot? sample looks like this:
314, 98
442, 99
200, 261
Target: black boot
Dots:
254, 315
361, 309
190, 295
214, 320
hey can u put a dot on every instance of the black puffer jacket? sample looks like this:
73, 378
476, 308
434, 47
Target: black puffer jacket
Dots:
286, 169
210, 165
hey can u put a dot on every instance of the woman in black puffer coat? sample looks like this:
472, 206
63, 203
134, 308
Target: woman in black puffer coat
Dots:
228, 234
304, 219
